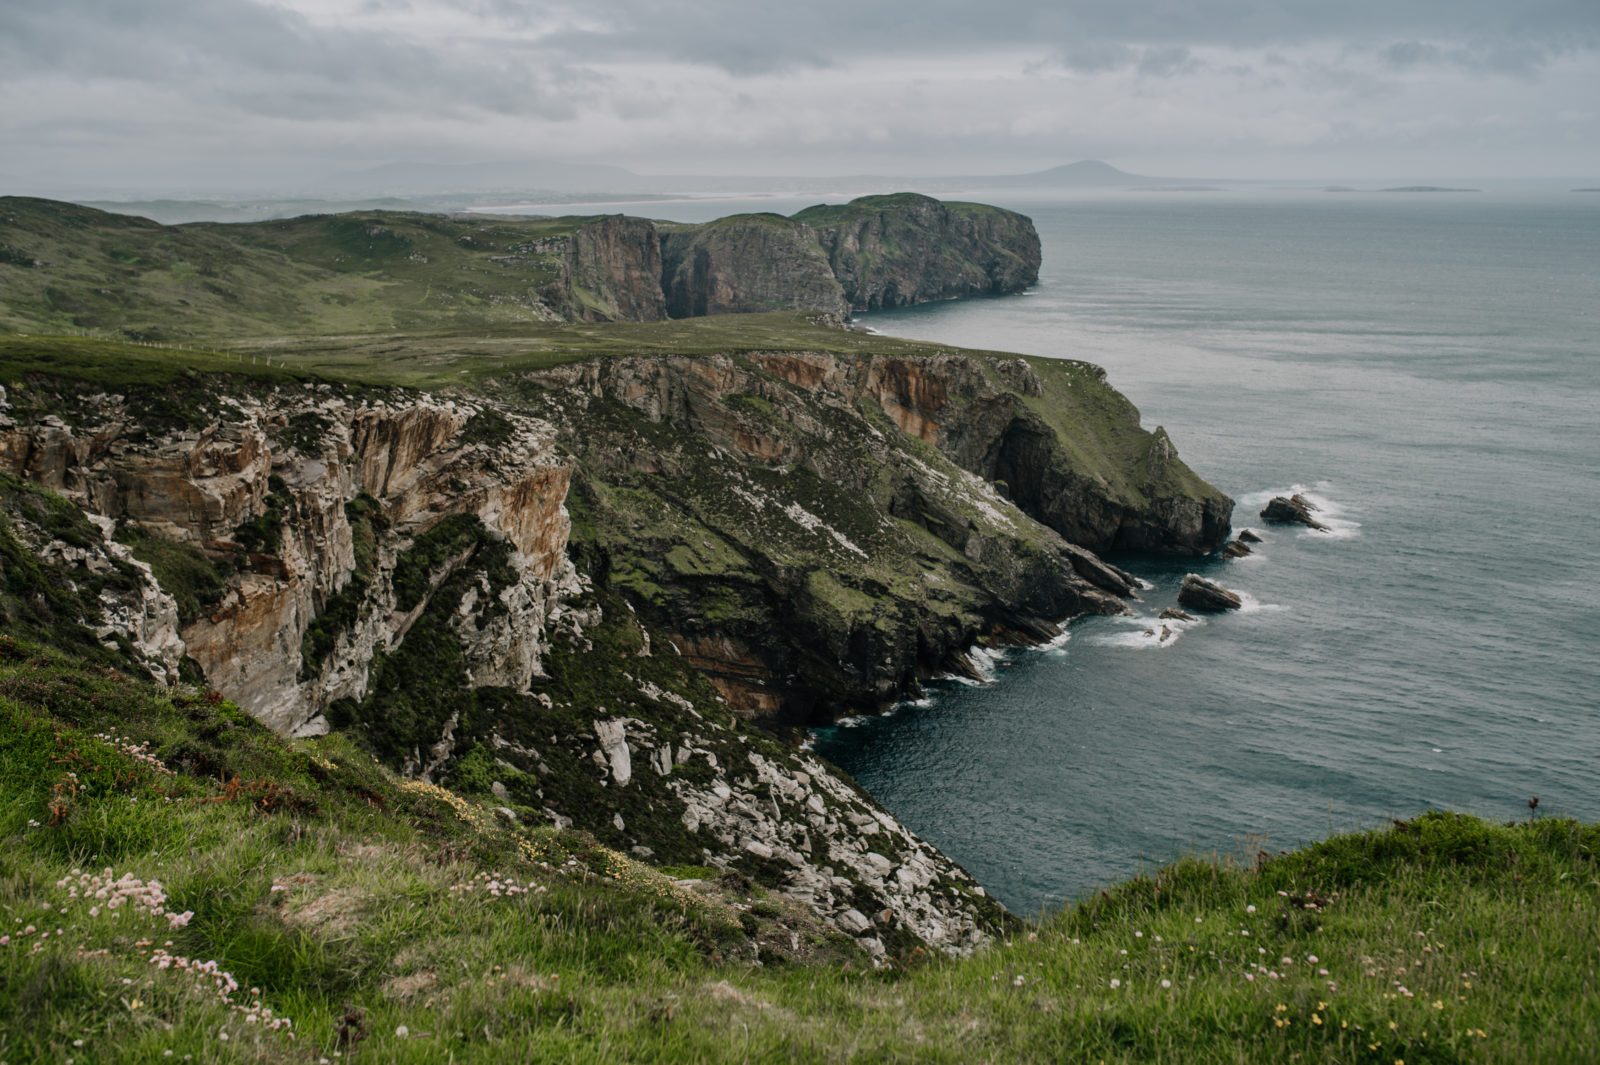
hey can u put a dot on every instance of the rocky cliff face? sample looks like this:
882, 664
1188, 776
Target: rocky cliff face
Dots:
575, 588
613, 272
400, 563
262, 493
1063, 445
816, 532
756, 262
892, 251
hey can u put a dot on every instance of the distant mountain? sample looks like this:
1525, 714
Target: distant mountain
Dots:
401, 179
1085, 174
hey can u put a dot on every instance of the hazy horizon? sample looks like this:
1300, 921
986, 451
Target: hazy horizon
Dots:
186, 98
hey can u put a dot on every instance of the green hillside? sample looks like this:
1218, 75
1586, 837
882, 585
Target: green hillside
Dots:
68, 268
311, 905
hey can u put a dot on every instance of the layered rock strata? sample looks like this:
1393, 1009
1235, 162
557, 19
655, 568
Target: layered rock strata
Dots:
262, 486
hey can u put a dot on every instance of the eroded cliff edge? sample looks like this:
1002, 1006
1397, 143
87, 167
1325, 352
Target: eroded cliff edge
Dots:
820, 532
378, 271
574, 586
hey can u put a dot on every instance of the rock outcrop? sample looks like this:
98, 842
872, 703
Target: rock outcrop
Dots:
746, 263
1198, 593
1062, 445
817, 531
1295, 510
901, 249
614, 271
266, 488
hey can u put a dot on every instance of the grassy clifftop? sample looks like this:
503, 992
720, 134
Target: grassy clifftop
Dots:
175, 881
69, 267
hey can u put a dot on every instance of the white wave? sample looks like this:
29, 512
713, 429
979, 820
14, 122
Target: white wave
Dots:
1056, 643
1337, 528
1249, 604
1325, 509
985, 661
1147, 632
1144, 585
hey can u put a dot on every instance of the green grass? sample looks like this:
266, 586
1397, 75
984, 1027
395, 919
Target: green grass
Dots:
480, 360
363, 271
194, 581
334, 895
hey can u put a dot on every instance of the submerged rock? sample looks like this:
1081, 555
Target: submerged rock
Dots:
1248, 536
1295, 510
1201, 594
1235, 548
1172, 613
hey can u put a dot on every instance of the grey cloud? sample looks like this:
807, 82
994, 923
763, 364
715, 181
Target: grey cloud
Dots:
228, 41
1095, 58
1167, 62
1509, 58
743, 37
1411, 53
269, 61
218, 79
1163, 61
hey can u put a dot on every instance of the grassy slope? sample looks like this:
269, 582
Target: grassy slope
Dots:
359, 272
330, 891
863, 207
1077, 395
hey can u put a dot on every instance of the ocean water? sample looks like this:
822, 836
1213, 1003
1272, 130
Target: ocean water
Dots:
1427, 369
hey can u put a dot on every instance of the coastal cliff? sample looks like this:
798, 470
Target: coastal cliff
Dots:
584, 587
746, 263
397, 566
69, 266
815, 529
901, 249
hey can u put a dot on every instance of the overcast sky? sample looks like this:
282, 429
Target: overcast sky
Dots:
193, 94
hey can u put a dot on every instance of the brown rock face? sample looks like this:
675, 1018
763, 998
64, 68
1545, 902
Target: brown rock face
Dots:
244, 472
746, 263
615, 267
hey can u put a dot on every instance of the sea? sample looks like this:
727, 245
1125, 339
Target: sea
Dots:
1425, 368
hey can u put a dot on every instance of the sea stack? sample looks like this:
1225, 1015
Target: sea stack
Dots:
1198, 593
1295, 510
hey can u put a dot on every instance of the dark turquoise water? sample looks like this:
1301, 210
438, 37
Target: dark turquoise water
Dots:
1426, 367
